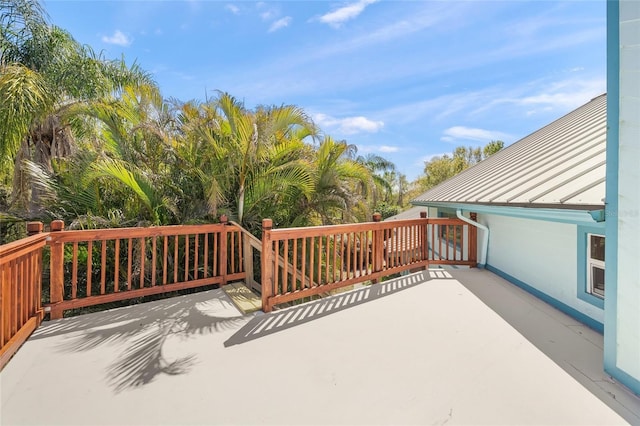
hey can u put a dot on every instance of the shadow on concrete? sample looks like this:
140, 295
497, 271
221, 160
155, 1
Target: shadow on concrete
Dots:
265, 324
144, 330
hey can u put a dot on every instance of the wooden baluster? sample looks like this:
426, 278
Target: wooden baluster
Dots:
216, 253
165, 257
367, 248
143, 249
206, 255
176, 245
319, 264
186, 257
103, 266
303, 262
89, 267
378, 246
196, 254
116, 272
129, 263
223, 248
327, 261
74, 271
285, 266
311, 255
154, 247
294, 286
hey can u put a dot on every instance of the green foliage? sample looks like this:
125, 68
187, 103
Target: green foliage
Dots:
442, 168
491, 148
387, 210
93, 142
47, 83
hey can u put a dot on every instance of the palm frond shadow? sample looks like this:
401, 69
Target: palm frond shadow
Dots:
143, 332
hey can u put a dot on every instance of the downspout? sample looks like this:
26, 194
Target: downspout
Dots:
485, 237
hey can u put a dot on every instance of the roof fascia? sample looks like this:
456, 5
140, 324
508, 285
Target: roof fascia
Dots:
578, 217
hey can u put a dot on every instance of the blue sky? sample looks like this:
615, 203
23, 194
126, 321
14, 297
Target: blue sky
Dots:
403, 79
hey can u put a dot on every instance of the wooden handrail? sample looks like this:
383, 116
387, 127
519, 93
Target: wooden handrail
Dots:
16, 249
340, 255
108, 265
255, 243
20, 292
98, 266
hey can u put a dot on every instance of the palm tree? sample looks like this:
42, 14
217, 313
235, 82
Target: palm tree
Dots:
123, 174
250, 161
376, 165
340, 186
46, 79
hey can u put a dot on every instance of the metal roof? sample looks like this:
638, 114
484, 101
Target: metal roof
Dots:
561, 165
412, 213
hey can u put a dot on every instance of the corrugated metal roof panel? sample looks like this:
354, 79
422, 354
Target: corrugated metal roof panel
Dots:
412, 213
562, 164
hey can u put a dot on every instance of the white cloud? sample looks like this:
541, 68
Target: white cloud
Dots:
118, 38
268, 15
345, 13
561, 96
387, 148
455, 133
349, 125
566, 95
233, 8
280, 23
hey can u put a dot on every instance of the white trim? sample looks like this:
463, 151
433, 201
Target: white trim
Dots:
593, 263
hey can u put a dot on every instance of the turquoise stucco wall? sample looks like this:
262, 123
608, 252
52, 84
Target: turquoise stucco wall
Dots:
546, 260
622, 301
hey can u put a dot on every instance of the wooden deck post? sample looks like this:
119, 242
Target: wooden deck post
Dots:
34, 228
424, 239
473, 240
378, 246
56, 284
224, 220
267, 265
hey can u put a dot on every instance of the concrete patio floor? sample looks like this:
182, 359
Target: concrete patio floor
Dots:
437, 347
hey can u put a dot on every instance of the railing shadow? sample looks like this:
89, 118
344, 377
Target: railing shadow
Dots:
144, 331
265, 324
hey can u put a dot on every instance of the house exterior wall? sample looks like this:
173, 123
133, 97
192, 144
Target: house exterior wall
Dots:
628, 193
622, 302
541, 255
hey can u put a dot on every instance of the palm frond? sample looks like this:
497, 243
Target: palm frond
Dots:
25, 97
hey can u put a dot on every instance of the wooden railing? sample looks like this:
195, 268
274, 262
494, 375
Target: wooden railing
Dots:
320, 259
91, 267
20, 286
251, 252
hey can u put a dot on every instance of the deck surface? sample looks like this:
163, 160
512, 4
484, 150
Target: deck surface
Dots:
438, 347
243, 298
